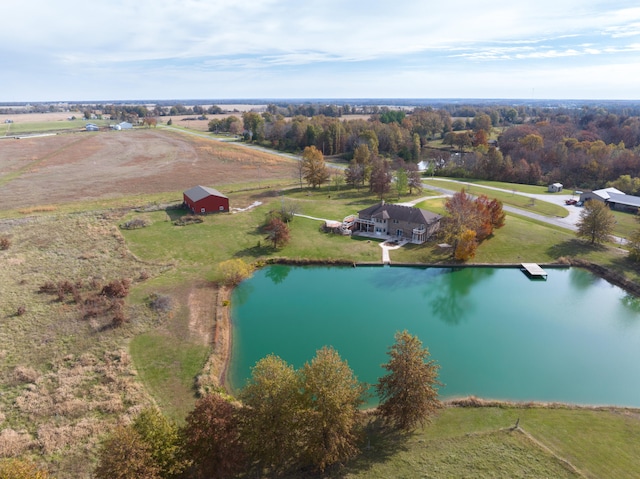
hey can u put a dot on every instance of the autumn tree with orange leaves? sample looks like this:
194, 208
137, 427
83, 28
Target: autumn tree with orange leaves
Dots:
470, 221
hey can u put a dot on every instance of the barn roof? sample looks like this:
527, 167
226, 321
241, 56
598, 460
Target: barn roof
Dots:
624, 199
606, 192
198, 192
408, 214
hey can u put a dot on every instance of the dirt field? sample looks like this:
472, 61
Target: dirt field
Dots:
90, 166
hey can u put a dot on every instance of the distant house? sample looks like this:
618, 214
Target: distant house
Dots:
555, 188
125, 125
423, 166
201, 199
92, 127
397, 222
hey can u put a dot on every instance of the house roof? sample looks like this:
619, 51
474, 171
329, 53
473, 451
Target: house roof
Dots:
408, 214
624, 199
198, 192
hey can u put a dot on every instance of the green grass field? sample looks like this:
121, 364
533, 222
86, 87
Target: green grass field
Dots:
480, 443
11, 129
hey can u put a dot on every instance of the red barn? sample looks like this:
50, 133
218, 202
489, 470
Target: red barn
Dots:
201, 199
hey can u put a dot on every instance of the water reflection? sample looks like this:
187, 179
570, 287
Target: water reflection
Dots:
632, 303
581, 280
278, 273
242, 293
400, 278
450, 302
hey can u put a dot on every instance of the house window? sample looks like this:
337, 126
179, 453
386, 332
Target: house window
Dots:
395, 221
221, 208
202, 210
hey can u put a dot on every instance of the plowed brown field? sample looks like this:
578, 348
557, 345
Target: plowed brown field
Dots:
85, 166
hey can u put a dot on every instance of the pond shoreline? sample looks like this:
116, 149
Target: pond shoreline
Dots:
215, 371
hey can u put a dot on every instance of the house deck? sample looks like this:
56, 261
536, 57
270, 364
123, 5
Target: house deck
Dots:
534, 271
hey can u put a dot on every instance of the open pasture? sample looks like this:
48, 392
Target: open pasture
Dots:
92, 166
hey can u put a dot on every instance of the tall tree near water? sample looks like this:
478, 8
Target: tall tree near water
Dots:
408, 393
596, 222
211, 439
272, 414
469, 221
161, 437
331, 396
124, 455
461, 216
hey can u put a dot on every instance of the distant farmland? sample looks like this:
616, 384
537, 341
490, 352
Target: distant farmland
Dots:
94, 166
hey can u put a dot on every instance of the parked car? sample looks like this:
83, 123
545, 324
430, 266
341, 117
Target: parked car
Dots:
580, 203
571, 202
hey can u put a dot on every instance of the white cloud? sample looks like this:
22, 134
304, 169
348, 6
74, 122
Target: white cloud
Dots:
322, 46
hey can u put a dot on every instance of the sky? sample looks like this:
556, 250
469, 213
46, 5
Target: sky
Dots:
82, 50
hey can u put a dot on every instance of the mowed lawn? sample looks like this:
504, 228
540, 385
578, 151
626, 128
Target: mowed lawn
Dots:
481, 443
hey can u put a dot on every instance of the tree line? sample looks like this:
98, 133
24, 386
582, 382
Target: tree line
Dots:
583, 147
284, 420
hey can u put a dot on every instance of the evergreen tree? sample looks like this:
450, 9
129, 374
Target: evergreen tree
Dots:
408, 393
331, 395
271, 416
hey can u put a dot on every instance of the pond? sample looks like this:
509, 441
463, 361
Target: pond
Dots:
495, 333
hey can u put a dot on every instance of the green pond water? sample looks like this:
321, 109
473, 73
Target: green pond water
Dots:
495, 332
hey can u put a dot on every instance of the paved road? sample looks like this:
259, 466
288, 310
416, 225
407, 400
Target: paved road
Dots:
568, 222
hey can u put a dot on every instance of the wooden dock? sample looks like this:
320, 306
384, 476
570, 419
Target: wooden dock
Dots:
534, 271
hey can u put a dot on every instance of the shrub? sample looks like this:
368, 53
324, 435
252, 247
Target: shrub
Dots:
5, 243
119, 317
21, 310
25, 374
233, 271
95, 306
135, 223
118, 288
48, 288
160, 302
20, 469
188, 220
64, 287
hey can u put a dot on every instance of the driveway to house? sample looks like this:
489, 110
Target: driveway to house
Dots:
568, 222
